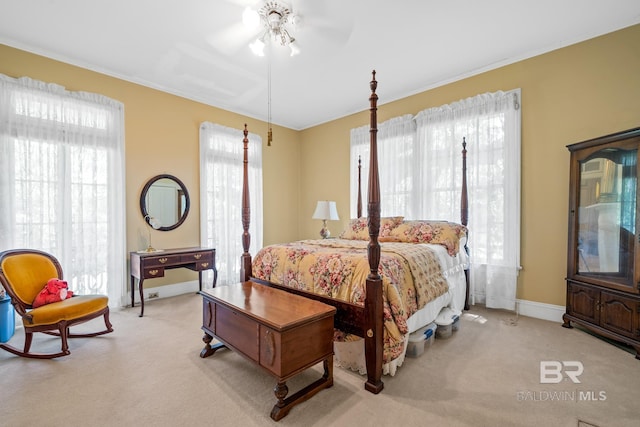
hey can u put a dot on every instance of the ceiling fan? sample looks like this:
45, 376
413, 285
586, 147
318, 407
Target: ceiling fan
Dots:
281, 22
276, 19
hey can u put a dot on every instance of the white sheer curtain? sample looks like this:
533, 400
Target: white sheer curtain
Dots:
491, 125
420, 166
396, 165
62, 182
221, 170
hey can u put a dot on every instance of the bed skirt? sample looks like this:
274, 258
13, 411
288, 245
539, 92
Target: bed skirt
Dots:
350, 354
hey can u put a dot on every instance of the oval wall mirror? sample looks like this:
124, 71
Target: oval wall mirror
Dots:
165, 200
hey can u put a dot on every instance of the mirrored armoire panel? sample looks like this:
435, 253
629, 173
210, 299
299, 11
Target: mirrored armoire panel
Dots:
603, 256
606, 214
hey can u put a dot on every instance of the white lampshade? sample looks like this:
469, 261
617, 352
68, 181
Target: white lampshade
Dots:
295, 49
250, 18
326, 210
257, 47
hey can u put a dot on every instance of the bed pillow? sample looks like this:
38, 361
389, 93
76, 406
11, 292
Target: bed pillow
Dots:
443, 233
357, 229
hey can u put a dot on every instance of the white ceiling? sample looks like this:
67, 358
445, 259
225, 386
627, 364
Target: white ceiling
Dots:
198, 48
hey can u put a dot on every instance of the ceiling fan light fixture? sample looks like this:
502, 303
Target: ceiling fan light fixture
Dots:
295, 49
275, 17
274, 20
250, 18
294, 19
257, 47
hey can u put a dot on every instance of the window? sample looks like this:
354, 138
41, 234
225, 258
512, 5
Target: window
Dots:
396, 165
421, 178
221, 176
62, 182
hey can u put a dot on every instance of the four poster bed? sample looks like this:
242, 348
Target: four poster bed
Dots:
387, 277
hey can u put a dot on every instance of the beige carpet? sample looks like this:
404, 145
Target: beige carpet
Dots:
148, 372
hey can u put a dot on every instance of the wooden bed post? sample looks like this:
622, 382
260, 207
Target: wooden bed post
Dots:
359, 206
365, 321
464, 205
373, 341
464, 213
245, 259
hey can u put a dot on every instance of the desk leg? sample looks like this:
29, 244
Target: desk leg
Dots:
141, 296
133, 291
215, 279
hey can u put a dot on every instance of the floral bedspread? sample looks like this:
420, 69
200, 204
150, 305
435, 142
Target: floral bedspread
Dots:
411, 277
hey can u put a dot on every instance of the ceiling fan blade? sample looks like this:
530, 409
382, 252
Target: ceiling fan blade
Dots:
243, 3
230, 40
324, 19
337, 32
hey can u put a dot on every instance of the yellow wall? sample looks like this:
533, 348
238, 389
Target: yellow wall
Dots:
569, 95
161, 136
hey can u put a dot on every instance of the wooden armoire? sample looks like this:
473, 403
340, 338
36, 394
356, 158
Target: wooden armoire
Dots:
603, 262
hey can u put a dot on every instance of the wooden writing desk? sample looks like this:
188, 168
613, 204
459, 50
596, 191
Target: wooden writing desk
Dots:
280, 332
149, 265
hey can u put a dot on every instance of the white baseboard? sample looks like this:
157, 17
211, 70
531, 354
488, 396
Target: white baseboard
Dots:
540, 310
527, 308
167, 291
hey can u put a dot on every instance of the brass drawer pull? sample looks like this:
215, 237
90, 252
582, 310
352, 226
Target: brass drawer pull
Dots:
204, 264
163, 260
197, 256
153, 272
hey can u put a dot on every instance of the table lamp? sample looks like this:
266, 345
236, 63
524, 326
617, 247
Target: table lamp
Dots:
325, 210
154, 223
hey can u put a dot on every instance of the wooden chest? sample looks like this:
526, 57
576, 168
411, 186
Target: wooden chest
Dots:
281, 332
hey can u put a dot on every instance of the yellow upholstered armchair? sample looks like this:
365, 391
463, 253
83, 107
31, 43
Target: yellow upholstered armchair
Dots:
23, 274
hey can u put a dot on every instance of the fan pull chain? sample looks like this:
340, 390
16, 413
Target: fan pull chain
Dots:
270, 131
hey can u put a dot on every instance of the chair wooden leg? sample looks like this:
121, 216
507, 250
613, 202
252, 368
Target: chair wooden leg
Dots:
61, 330
107, 323
28, 338
108, 329
64, 333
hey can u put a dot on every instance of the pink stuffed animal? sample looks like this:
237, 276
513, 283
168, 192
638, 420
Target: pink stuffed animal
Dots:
55, 290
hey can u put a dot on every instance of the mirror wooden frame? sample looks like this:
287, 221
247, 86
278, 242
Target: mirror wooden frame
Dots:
143, 202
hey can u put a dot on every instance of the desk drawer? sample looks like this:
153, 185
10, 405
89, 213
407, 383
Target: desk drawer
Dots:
198, 257
151, 272
161, 260
203, 260
204, 265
